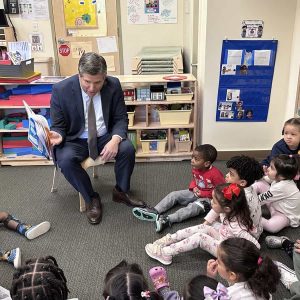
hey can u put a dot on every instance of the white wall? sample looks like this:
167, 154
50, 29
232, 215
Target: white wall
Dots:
224, 20
25, 27
295, 65
135, 37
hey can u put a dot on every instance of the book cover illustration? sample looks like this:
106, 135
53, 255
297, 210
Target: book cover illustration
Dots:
38, 132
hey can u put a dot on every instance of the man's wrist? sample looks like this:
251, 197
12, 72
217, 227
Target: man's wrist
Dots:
117, 138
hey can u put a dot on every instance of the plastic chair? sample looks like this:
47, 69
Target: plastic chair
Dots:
87, 163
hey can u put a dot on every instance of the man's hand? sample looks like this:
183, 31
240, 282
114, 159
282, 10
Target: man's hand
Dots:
197, 192
55, 138
110, 150
265, 169
212, 268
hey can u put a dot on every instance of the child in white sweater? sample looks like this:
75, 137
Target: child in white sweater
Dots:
283, 197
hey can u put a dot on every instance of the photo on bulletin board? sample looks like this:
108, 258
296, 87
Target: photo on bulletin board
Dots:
80, 14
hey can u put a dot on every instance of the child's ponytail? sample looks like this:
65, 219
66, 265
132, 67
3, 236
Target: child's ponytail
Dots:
264, 280
243, 258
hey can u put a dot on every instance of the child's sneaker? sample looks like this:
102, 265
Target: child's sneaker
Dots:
14, 256
33, 232
288, 276
164, 241
145, 213
274, 241
161, 223
157, 252
159, 277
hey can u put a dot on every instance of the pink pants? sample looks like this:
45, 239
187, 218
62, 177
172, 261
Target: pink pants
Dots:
277, 221
203, 236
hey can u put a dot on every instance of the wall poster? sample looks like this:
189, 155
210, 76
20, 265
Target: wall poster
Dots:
246, 74
80, 14
151, 11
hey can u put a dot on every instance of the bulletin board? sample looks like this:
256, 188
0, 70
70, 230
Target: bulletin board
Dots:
245, 83
80, 14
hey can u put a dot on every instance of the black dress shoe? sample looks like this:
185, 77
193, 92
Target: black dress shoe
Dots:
94, 210
122, 197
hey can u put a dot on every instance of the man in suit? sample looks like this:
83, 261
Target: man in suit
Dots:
72, 136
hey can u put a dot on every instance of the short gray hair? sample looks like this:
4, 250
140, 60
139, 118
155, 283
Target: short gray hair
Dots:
92, 63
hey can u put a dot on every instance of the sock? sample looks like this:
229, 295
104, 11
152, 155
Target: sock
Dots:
22, 228
288, 247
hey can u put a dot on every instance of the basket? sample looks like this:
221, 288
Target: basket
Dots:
181, 97
130, 118
174, 117
183, 146
154, 146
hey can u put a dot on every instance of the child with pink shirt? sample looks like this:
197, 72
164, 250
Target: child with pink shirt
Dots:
230, 202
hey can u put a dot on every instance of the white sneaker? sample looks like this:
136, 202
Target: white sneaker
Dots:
288, 276
157, 252
14, 257
164, 241
37, 230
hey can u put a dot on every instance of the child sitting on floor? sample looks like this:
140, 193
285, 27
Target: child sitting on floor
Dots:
250, 274
244, 170
40, 279
29, 231
196, 199
230, 202
126, 281
283, 197
289, 144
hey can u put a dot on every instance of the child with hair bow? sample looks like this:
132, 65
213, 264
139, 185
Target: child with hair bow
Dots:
230, 202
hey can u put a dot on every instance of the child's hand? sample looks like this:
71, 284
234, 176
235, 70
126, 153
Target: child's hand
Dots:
212, 268
297, 246
265, 169
197, 192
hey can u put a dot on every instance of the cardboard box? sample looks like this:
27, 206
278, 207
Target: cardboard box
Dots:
183, 146
174, 117
154, 146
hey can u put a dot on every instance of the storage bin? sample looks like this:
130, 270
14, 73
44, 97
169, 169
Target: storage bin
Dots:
183, 146
25, 69
130, 118
181, 97
154, 146
174, 117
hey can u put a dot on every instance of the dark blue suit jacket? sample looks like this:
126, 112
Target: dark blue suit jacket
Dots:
67, 112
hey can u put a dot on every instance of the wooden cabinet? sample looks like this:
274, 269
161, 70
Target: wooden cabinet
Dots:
148, 117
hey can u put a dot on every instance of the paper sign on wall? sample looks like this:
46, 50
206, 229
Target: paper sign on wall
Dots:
110, 61
78, 48
107, 44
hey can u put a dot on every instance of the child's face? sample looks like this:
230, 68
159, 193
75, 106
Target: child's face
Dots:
271, 171
215, 205
232, 176
198, 161
291, 135
222, 270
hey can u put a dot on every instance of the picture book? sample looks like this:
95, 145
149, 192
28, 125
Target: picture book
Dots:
38, 132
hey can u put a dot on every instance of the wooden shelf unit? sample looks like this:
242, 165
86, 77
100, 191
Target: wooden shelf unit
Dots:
143, 121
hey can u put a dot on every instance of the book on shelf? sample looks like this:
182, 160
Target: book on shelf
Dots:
38, 132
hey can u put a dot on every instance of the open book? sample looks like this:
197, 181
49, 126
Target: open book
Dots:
38, 132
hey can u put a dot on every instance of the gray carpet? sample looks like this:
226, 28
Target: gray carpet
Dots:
86, 252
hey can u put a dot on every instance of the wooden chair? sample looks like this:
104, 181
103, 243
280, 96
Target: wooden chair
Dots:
87, 163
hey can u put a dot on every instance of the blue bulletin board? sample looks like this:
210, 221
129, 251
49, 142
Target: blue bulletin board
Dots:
246, 74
